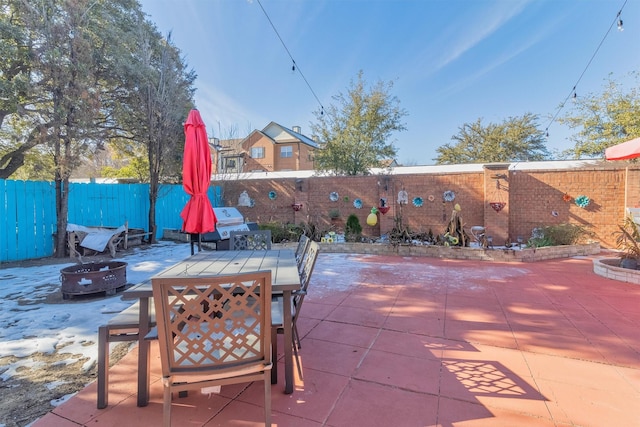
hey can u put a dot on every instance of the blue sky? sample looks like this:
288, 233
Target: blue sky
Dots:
451, 61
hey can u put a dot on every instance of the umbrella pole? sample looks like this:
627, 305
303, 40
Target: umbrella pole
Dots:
192, 237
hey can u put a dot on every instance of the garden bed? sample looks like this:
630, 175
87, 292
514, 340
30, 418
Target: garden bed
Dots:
456, 252
452, 252
610, 268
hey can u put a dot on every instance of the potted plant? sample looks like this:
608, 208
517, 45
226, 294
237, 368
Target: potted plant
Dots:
627, 242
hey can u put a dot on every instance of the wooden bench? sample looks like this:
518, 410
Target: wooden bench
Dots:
123, 327
133, 234
125, 238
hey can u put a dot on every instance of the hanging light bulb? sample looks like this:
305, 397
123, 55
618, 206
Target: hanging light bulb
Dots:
620, 27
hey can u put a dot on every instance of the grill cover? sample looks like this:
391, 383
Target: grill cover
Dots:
229, 219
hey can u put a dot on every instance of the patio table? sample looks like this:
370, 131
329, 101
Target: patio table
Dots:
285, 279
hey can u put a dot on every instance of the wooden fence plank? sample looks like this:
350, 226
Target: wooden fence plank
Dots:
7, 219
28, 214
12, 224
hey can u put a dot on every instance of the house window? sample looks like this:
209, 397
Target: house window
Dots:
257, 152
231, 164
286, 151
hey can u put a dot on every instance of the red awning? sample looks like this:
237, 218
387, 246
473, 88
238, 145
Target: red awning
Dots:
624, 151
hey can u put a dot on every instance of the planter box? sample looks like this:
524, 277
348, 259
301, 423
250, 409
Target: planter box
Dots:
175, 235
610, 268
455, 252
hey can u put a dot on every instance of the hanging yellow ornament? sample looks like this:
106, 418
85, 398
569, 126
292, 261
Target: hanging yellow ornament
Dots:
372, 219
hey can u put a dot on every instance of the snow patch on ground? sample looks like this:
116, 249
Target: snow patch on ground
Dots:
37, 320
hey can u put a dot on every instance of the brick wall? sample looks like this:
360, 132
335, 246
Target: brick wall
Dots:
533, 197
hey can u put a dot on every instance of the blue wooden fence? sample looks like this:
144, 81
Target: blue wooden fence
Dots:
28, 214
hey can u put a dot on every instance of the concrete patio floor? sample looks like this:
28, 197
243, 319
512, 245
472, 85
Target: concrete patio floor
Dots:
392, 341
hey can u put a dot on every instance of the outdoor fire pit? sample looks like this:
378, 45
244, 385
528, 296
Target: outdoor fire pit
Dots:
93, 277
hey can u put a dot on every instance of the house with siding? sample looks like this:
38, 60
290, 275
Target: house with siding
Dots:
272, 149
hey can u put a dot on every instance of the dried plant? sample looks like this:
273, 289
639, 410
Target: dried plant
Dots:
627, 238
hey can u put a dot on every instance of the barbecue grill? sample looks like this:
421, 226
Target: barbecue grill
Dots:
229, 219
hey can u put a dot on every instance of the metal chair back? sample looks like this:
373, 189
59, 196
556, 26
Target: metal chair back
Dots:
301, 249
250, 240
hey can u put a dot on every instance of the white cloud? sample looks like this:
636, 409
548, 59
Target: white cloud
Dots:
506, 55
478, 28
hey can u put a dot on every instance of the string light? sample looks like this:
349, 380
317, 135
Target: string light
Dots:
616, 21
294, 65
620, 26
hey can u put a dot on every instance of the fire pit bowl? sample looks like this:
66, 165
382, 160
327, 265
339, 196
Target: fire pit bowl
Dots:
93, 277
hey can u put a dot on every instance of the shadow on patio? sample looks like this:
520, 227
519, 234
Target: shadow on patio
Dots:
392, 341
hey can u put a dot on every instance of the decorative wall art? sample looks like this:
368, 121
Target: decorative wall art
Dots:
244, 199
384, 207
357, 203
497, 206
418, 202
403, 197
582, 201
333, 196
372, 218
448, 196
272, 195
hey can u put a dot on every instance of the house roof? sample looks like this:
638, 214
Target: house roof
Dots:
274, 131
227, 145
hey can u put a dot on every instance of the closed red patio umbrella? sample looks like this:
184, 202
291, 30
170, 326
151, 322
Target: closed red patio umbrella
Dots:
198, 216
624, 151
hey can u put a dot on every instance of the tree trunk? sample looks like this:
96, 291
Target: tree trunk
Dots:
62, 211
153, 198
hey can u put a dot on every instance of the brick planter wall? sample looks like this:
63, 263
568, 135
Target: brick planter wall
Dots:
433, 251
609, 267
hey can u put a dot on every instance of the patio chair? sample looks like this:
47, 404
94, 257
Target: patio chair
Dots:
301, 250
214, 331
250, 240
297, 298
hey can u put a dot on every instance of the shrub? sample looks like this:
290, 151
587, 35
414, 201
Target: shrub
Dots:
560, 234
352, 229
627, 239
282, 232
